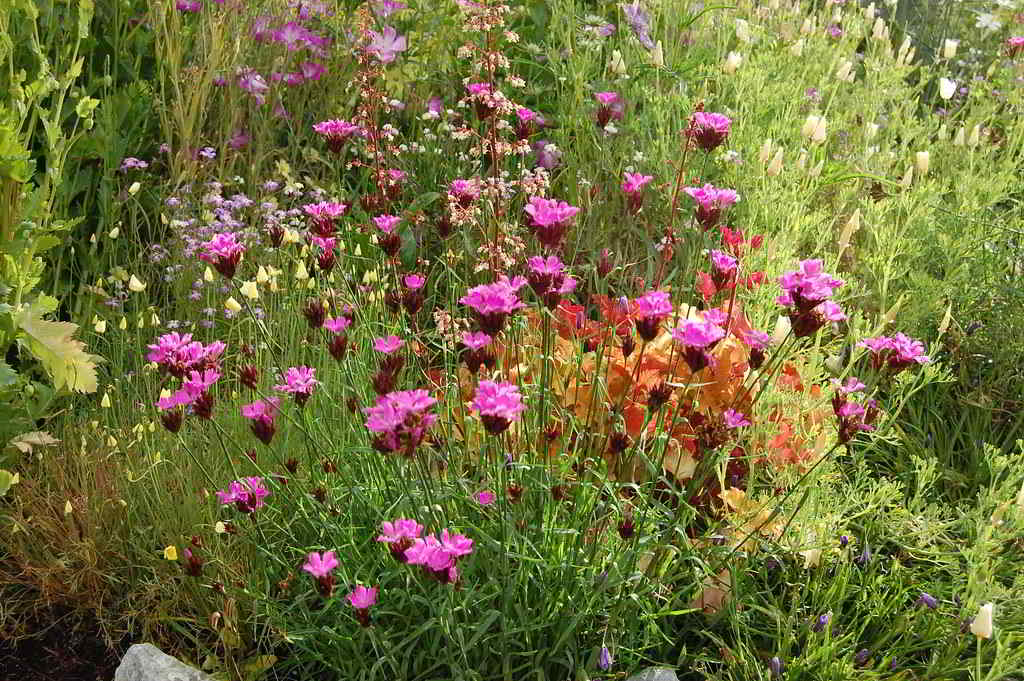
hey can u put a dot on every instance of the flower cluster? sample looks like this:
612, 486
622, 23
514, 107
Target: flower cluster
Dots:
493, 303
499, 405
246, 494
400, 420
178, 354
806, 293
895, 353
549, 220
710, 202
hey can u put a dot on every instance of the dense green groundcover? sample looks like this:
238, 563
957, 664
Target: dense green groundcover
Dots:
494, 340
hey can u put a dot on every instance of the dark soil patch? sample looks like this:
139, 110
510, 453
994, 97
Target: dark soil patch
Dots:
62, 646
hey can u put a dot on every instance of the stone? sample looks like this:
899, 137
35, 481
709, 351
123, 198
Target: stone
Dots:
652, 674
146, 662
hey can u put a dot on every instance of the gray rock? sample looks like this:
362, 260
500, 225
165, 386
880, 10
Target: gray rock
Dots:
649, 674
146, 662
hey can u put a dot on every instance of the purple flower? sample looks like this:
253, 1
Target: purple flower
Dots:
386, 45
485, 497
385, 8
895, 353
362, 598
547, 154
639, 21
499, 404
611, 107
476, 340
400, 420
734, 419
188, 5
710, 201
132, 163
312, 70
252, 82
852, 385
399, 536
492, 303
299, 382
414, 282
604, 660
320, 565
549, 219
246, 494
649, 311
261, 415
709, 129
336, 132
387, 223
697, 337
927, 600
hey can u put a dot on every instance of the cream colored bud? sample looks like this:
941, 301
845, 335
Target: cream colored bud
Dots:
290, 237
261, 275
105, 402
154, 320
807, 27
871, 131
249, 290
165, 393
797, 48
869, 12
743, 31
949, 48
801, 161
852, 226
879, 31
135, 284
134, 188
765, 154
657, 57
617, 65
975, 137
114, 233
909, 59
947, 88
901, 53
816, 170
100, 326
815, 128
943, 133
922, 161
845, 71
123, 324
301, 273
908, 177
208, 275
732, 62
775, 167
232, 305
982, 624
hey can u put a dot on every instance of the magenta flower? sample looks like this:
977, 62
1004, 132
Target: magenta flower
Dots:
711, 201
476, 340
709, 130
399, 536
337, 324
549, 219
633, 187
336, 132
414, 282
193, 392
387, 344
362, 599
178, 354
896, 353
759, 341
464, 192
853, 417
734, 419
439, 556
485, 497
499, 404
386, 45
492, 303
649, 311
1015, 45
400, 420
697, 338
223, 251
261, 415
299, 382
252, 82
246, 494
386, 223
320, 567
188, 5
312, 70
852, 385
132, 163
545, 274
806, 293
610, 108
385, 8
323, 215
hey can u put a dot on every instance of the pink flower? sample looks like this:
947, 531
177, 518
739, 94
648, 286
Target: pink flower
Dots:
312, 70
710, 202
709, 129
387, 223
337, 324
336, 132
439, 556
414, 282
386, 45
549, 219
246, 494
194, 387
223, 251
299, 382
853, 417
634, 183
320, 565
464, 192
385, 8
399, 536
697, 337
485, 497
387, 344
896, 353
476, 340
188, 5
852, 385
400, 420
734, 419
1015, 45
492, 303
649, 310
253, 83
362, 598
178, 354
261, 414
499, 404
322, 216
610, 108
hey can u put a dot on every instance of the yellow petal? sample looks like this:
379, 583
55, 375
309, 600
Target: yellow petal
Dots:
171, 552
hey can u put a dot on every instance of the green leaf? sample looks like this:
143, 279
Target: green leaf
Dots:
7, 479
86, 106
8, 376
52, 343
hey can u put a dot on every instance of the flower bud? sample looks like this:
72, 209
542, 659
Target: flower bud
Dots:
982, 624
879, 30
949, 48
658, 56
766, 151
617, 65
947, 88
958, 139
249, 290
908, 177
975, 137
135, 284
732, 62
922, 161
815, 128
743, 31
232, 305
775, 167
845, 71
797, 48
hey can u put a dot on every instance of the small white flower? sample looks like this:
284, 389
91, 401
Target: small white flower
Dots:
982, 624
988, 22
947, 88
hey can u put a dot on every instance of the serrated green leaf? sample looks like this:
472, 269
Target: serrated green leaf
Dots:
52, 343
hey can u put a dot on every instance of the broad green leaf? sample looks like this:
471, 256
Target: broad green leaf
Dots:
7, 479
8, 376
52, 343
